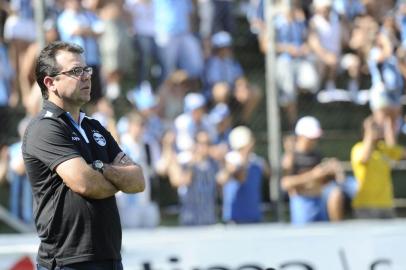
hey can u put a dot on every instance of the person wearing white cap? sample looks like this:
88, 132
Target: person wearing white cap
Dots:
307, 176
241, 179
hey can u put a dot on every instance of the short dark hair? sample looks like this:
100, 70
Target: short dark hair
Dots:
46, 64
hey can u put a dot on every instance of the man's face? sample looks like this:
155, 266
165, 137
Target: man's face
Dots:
198, 114
69, 87
202, 143
309, 143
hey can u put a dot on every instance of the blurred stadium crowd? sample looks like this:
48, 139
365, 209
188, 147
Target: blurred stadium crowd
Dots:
186, 104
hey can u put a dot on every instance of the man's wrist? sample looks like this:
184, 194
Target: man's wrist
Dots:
99, 166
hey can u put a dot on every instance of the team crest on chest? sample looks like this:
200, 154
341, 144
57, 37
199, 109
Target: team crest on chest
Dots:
99, 138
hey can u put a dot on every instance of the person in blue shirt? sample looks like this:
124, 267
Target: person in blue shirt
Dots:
242, 178
221, 65
6, 76
223, 19
223, 68
177, 46
196, 183
294, 70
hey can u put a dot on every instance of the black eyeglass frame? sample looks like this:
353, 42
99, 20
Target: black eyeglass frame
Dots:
76, 71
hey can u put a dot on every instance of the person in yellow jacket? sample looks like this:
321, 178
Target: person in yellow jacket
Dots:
371, 161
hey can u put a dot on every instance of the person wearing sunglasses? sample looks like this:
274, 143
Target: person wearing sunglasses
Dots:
75, 168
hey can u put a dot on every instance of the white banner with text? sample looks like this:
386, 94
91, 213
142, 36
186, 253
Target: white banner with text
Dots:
352, 245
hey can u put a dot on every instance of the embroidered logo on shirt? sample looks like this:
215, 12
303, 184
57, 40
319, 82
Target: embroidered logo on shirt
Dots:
99, 139
75, 137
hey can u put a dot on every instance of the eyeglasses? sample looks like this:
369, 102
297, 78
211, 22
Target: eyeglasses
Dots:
76, 71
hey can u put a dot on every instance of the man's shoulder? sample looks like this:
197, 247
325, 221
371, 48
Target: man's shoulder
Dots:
41, 127
44, 120
357, 146
87, 120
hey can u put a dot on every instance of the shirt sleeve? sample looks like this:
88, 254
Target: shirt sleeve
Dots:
356, 152
393, 152
51, 143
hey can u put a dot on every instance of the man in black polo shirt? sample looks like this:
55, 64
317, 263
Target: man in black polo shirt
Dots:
75, 168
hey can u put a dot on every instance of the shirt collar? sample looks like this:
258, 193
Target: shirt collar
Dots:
52, 108
56, 111
81, 117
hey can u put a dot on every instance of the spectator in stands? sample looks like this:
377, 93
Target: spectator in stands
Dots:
116, 50
83, 27
221, 68
308, 180
362, 39
223, 15
138, 210
220, 93
171, 94
387, 82
401, 20
349, 9
293, 69
245, 100
378, 9
256, 19
146, 104
6, 76
20, 189
177, 46
27, 70
167, 165
220, 118
325, 39
205, 16
143, 32
197, 183
370, 160
241, 179
19, 32
193, 119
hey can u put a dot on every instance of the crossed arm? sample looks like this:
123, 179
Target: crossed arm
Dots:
122, 174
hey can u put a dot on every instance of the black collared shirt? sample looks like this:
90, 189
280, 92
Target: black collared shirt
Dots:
72, 228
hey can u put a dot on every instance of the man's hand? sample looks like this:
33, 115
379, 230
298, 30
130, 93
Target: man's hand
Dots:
125, 174
122, 160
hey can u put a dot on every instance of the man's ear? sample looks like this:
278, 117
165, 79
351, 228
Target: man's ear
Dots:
49, 83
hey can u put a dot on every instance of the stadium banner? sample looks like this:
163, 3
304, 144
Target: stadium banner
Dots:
353, 245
